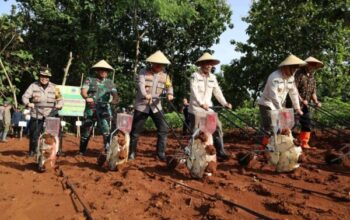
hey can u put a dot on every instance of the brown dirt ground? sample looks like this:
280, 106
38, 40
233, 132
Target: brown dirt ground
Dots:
145, 189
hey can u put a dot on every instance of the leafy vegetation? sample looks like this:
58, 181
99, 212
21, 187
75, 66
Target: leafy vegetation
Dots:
303, 28
125, 32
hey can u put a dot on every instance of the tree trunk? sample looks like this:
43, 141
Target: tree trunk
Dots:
138, 40
13, 89
66, 69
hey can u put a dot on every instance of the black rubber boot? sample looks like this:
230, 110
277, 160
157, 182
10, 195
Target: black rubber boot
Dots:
32, 146
161, 148
101, 159
132, 149
220, 151
83, 145
106, 140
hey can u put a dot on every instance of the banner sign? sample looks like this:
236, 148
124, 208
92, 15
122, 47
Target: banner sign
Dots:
73, 103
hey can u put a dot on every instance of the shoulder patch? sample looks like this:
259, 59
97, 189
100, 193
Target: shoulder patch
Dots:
276, 82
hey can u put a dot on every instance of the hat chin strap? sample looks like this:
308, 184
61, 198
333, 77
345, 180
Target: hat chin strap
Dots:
44, 85
205, 73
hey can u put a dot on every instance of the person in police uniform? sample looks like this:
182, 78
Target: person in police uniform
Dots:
97, 92
279, 84
203, 85
41, 93
152, 82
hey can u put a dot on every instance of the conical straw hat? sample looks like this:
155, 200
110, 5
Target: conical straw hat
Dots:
102, 64
292, 60
314, 60
158, 57
207, 57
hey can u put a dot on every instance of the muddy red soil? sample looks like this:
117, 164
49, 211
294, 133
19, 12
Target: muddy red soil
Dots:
146, 189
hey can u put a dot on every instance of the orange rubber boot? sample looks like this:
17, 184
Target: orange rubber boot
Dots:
304, 138
264, 142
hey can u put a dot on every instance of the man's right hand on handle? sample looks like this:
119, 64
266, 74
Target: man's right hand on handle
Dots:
228, 105
148, 97
89, 100
205, 106
299, 112
30, 105
305, 102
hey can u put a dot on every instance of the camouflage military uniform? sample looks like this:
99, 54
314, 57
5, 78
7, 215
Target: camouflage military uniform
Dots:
100, 90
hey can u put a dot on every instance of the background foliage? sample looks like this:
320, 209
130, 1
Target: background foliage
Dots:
318, 28
125, 32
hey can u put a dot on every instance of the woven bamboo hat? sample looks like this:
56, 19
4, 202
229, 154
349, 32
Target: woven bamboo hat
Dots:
102, 64
158, 57
207, 57
314, 60
292, 60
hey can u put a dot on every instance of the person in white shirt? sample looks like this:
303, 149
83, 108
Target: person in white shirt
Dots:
279, 84
203, 85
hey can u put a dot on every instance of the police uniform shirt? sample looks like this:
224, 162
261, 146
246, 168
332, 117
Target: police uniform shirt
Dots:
153, 84
276, 90
41, 97
202, 88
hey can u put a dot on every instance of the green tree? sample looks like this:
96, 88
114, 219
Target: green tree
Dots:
304, 28
16, 63
124, 33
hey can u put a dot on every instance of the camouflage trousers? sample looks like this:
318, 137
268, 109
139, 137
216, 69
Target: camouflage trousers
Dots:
101, 117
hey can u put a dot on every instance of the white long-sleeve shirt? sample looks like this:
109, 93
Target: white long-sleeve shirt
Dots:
276, 90
202, 88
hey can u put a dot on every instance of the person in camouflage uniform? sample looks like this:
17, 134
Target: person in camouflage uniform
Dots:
97, 91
